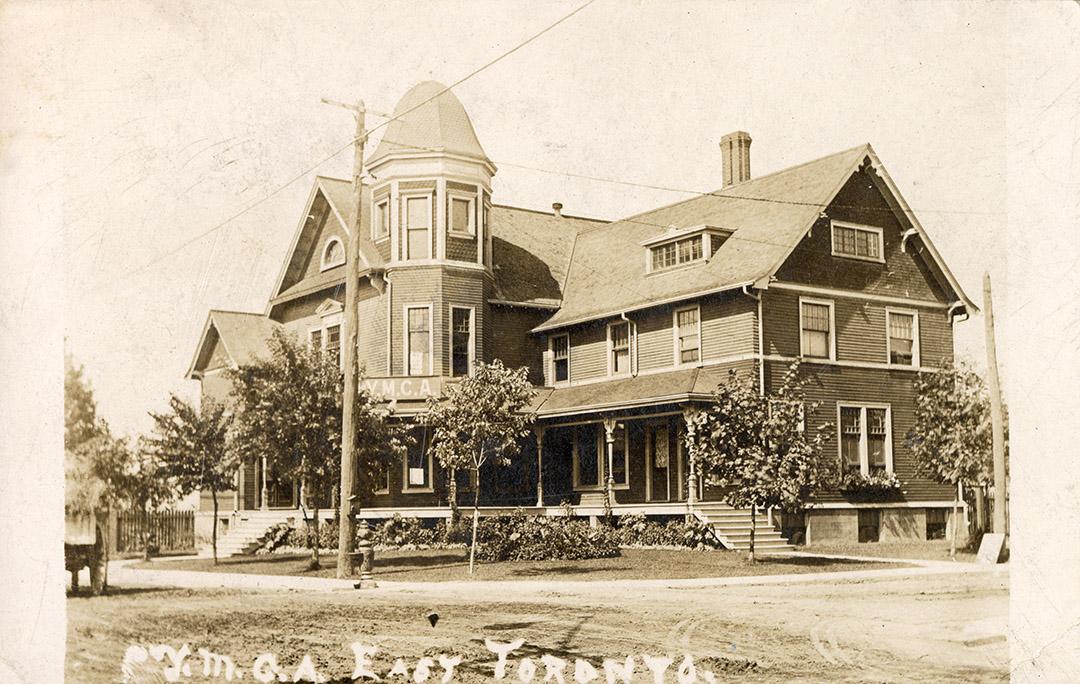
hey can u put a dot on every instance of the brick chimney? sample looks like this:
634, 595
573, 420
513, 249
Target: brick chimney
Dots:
735, 150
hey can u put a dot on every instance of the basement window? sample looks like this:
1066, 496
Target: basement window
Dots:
869, 525
935, 523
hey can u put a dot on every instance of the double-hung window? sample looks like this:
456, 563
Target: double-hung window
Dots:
333, 342
865, 439
461, 341
418, 340
903, 335
380, 222
857, 241
816, 323
418, 227
462, 217
560, 358
619, 348
687, 336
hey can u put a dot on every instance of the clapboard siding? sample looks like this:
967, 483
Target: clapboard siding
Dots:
371, 332
655, 339
588, 352
513, 344
831, 385
464, 289
417, 286
902, 274
727, 325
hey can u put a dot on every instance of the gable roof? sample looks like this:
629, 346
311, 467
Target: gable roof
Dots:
244, 336
531, 252
768, 217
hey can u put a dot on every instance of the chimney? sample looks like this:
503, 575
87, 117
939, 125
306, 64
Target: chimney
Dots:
735, 150
557, 206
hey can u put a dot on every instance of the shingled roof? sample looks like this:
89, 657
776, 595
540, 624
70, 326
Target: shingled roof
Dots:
244, 336
429, 118
768, 217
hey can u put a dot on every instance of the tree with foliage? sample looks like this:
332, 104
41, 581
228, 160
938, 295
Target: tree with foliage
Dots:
482, 418
952, 436
289, 408
149, 486
759, 445
194, 450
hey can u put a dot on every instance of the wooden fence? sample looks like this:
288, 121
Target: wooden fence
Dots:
170, 531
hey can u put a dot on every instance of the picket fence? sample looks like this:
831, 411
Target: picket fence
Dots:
170, 531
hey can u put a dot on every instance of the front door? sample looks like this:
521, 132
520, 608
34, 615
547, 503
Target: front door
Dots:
280, 490
658, 462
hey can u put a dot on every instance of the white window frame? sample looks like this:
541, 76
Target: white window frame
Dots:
472, 338
864, 441
629, 350
429, 459
676, 352
326, 322
569, 351
916, 357
431, 338
452, 195
382, 208
832, 328
879, 259
323, 263
405, 197
601, 456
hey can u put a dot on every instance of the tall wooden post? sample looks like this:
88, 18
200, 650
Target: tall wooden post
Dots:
347, 525
996, 414
539, 466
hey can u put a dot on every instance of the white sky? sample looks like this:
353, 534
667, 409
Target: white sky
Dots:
177, 119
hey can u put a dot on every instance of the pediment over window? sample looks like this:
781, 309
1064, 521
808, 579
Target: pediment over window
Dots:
330, 306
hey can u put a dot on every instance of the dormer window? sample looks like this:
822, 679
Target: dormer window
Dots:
333, 254
682, 247
856, 241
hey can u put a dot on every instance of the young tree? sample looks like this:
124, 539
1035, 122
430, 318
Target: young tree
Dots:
289, 409
952, 437
149, 486
759, 445
481, 419
194, 449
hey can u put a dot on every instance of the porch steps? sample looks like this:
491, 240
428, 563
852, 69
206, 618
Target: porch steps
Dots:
732, 526
246, 529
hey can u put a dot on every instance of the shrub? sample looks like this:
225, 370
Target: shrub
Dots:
275, 537
699, 535
519, 537
637, 530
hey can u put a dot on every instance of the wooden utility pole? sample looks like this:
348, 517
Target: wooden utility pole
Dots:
996, 414
347, 525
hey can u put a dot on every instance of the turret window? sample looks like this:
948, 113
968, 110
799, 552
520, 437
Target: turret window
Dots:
461, 341
419, 341
380, 222
462, 217
418, 227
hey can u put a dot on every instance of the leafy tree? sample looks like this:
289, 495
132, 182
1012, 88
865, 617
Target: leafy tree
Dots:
952, 438
289, 407
480, 419
80, 408
759, 445
194, 451
149, 485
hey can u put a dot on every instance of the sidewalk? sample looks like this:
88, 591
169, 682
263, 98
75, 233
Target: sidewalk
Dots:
120, 573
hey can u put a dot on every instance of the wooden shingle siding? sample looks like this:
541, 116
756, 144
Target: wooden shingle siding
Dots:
902, 275
727, 325
831, 385
513, 344
219, 358
329, 227
460, 248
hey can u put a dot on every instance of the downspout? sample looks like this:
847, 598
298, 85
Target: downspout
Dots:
632, 327
760, 339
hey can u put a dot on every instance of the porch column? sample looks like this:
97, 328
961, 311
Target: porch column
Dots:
238, 482
609, 483
263, 505
691, 457
539, 466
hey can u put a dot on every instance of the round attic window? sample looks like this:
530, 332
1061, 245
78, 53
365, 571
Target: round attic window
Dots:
333, 254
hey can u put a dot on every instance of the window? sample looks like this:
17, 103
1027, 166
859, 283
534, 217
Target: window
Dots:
418, 463
380, 223
461, 341
816, 322
333, 254
462, 221
678, 252
856, 241
586, 457
418, 342
316, 338
865, 439
935, 523
418, 227
687, 336
869, 525
619, 348
560, 354
333, 343
903, 337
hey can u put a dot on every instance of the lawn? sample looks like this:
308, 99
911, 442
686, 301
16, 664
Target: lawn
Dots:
915, 550
441, 565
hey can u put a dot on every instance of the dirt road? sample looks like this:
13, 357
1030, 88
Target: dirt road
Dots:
922, 628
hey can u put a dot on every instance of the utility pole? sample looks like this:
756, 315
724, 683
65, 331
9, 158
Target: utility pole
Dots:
347, 525
996, 414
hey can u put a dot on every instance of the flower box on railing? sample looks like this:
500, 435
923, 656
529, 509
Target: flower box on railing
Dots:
869, 488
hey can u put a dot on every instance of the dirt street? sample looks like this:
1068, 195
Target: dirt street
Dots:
927, 628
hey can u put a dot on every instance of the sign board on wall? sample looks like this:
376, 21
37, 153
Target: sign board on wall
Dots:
407, 388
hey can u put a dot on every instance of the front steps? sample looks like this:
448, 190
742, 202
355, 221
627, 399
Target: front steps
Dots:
732, 527
245, 531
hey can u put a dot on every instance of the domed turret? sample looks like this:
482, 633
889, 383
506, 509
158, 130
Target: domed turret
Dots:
431, 121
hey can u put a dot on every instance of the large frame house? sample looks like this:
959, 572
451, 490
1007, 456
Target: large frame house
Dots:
624, 326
